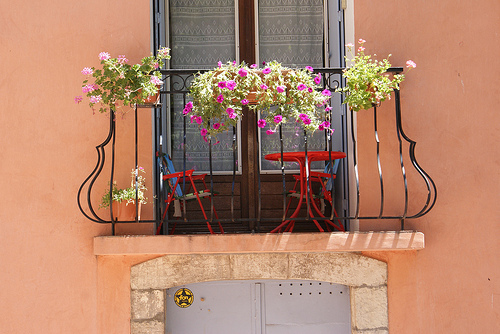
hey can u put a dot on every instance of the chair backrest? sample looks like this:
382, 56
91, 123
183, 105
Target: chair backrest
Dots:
169, 169
331, 170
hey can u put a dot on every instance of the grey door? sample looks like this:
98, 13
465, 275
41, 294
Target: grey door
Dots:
258, 307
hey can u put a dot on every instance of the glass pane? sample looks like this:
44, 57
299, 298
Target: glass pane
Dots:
202, 32
291, 32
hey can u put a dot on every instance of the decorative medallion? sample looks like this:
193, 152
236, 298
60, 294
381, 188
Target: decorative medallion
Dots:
183, 297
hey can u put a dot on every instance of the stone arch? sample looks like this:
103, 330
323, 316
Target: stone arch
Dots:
366, 277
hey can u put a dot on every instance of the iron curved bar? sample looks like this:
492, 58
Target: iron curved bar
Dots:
379, 163
355, 163
431, 186
101, 157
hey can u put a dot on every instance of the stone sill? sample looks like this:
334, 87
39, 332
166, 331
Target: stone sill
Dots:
258, 243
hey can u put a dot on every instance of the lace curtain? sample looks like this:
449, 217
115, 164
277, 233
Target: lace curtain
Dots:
202, 32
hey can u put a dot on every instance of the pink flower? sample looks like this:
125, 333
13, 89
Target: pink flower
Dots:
328, 108
303, 116
155, 80
232, 115
121, 59
309, 89
306, 121
309, 68
205, 139
199, 120
156, 65
203, 132
280, 89
301, 86
186, 111
361, 48
263, 87
193, 118
361, 41
163, 52
222, 84
349, 45
278, 119
242, 72
219, 64
317, 79
95, 99
87, 71
230, 84
267, 70
326, 92
321, 127
87, 88
220, 98
411, 64
270, 132
230, 110
78, 99
189, 105
261, 123
326, 124
216, 126
253, 66
104, 56
245, 102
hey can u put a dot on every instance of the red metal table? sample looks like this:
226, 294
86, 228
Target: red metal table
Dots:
300, 158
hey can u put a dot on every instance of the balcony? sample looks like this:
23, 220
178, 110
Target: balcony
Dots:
374, 183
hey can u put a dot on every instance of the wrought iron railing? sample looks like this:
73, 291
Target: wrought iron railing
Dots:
331, 80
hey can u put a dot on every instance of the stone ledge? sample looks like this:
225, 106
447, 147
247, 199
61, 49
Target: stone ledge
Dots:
258, 243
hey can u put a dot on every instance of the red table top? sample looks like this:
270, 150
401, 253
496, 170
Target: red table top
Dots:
300, 156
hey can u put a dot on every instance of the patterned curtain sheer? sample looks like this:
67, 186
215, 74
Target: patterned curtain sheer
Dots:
291, 32
202, 32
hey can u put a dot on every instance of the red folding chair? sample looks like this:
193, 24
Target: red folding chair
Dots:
176, 196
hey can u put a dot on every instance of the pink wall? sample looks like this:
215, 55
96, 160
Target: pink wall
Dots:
450, 107
49, 274
52, 283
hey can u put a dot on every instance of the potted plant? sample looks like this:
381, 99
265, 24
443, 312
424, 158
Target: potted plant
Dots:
219, 95
368, 82
121, 198
118, 83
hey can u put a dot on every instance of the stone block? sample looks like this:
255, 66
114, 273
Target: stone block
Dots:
147, 304
174, 270
259, 266
341, 268
147, 327
369, 305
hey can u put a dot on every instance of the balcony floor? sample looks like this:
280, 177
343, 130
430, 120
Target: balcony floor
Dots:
259, 243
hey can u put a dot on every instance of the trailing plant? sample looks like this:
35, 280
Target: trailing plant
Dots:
368, 82
281, 94
118, 83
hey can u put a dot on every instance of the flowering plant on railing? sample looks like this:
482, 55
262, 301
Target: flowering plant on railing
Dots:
128, 194
280, 93
368, 82
121, 83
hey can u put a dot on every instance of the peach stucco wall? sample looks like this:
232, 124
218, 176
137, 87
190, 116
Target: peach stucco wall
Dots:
50, 280
49, 275
450, 107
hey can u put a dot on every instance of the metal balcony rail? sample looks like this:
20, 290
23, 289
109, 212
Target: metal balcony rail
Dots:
178, 84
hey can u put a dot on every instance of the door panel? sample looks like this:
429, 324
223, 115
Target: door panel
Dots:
261, 307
